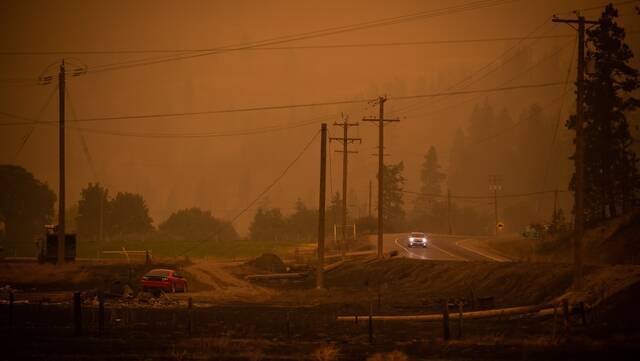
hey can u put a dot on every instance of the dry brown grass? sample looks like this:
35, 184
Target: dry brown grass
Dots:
33, 273
391, 356
326, 353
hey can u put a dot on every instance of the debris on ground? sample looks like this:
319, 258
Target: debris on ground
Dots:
268, 262
6, 290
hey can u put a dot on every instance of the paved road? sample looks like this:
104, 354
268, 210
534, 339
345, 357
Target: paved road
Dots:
442, 247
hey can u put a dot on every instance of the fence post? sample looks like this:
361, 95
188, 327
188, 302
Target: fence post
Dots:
473, 300
555, 321
146, 257
371, 323
100, 314
190, 317
567, 317
445, 320
460, 315
288, 325
11, 300
77, 313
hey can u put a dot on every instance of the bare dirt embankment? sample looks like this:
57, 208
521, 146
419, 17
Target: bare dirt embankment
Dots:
405, 283
220, 285
614, 241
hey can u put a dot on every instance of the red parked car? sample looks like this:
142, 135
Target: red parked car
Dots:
163, 279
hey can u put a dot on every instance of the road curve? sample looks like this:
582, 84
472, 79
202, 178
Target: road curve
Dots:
442, 247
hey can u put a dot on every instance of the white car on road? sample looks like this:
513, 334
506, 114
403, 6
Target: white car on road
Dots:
417, 239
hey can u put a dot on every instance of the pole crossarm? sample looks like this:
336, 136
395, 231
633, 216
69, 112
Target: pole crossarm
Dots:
574, 21
348, 140
369, 119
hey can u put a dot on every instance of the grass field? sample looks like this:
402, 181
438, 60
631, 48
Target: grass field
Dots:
160, 248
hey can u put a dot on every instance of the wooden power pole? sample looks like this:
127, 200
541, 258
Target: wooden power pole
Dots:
579, 154
494, 185
380, 120
345, 140
449, 211
369, 198
321, 206
61, 155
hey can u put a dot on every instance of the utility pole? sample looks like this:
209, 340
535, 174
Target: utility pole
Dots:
579, 154
369, 198
495, 187
61, 155
345, 140
380, 120
449, 210
555, 203
321, 206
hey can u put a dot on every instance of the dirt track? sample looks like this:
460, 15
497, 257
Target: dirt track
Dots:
224, 286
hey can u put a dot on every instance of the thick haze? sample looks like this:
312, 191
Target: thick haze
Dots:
223, 174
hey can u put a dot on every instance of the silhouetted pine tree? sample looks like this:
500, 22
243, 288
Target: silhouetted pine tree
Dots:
392, 199
611, 174
425, 211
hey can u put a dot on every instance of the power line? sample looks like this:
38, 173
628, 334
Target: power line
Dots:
289, 106
527, 70
298, 47
27, 136
557, 127
83, 141
518, 123
475, 5
488, 90
308, 35
469, 80
598, 7
244, 132
483, 197
264, 192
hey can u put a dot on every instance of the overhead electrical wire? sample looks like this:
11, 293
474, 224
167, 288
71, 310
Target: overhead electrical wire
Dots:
263, 192
475, 5
26, 121
551, 152
525, 71
27, 136
232, 133
599, 7
306, 35
453, 196
83, 141
297, 47
480, 74
515, 125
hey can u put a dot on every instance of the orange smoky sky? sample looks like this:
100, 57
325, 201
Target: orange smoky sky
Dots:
220, 162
